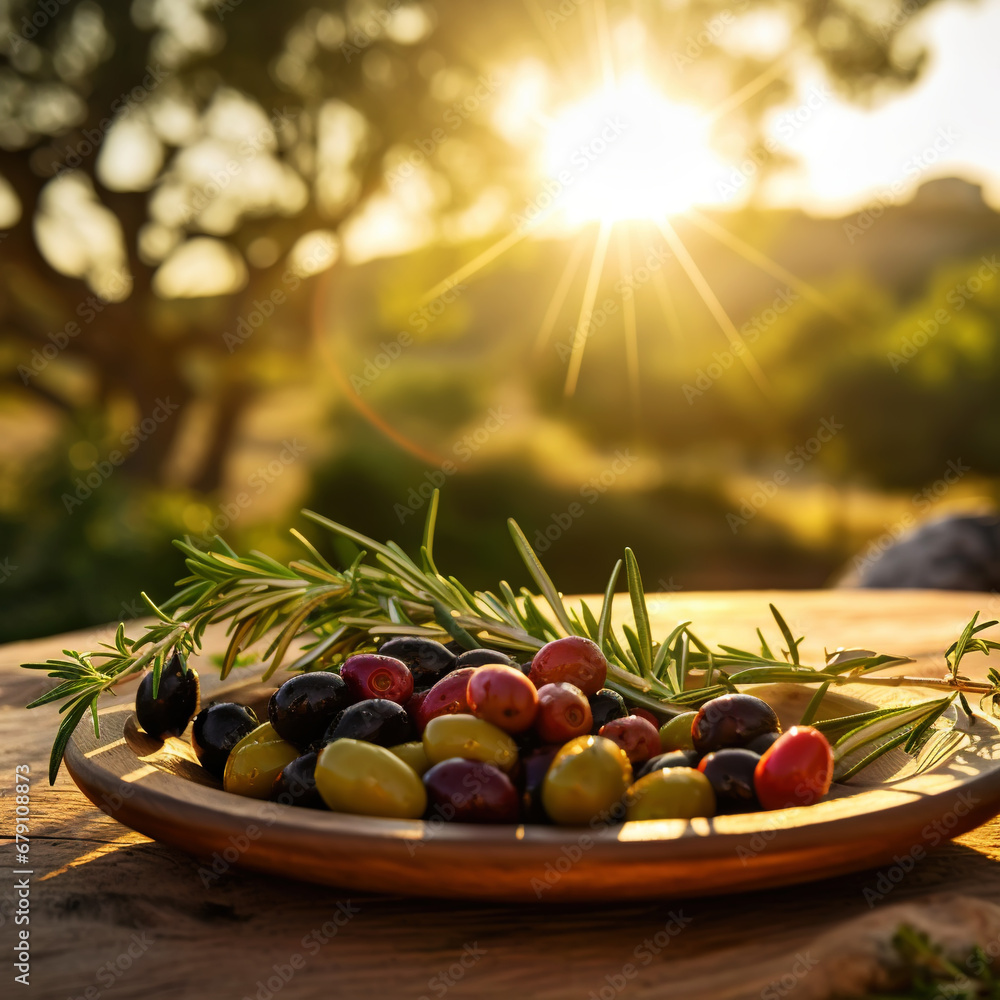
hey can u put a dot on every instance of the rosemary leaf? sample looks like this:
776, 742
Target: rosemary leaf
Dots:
539, 575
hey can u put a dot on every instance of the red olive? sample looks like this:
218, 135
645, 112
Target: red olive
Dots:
639, 738
732, 721
644, 713
563, 713
504, 696
413, 703
447, 697
796, 771
470, 791
574, 660
371, 675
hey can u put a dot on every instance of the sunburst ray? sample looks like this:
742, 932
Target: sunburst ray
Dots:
767, 264
720, 315
560, 294
628, 318
477, 263
587, 307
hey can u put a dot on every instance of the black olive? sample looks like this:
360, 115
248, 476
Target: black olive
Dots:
605, 706
176, 702
731, 773
673, 758
375, 720
732, 720
528, 741
477, 657
305, 705
763, 742
428, 660
217, 729
296, 784
535, 767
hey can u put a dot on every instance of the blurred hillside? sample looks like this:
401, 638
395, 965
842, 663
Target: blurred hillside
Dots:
701, 475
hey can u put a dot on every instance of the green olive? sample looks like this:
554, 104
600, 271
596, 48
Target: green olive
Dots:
255, 762
674, 793
363, 778
585, 781
413, 754
470, 738
676, 734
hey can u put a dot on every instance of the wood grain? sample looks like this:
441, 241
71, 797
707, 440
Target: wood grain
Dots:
99, 886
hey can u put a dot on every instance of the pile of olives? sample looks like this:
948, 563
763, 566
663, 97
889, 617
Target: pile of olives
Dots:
416, 730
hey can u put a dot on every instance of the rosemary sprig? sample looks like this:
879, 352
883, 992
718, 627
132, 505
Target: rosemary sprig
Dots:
925, 973
325, 614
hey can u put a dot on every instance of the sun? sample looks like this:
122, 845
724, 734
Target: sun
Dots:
628, 152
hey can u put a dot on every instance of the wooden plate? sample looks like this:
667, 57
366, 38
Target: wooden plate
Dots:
159, 789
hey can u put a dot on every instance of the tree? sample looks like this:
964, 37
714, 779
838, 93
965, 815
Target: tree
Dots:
146, 148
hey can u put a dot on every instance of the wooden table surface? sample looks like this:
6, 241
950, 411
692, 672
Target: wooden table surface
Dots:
115, 915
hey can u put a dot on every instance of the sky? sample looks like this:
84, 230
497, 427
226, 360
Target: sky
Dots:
846, 156
852, 155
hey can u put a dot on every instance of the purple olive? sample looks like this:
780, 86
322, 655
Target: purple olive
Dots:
732, 721
470, 791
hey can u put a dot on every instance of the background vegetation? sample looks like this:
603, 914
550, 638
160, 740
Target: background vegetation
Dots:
177, 184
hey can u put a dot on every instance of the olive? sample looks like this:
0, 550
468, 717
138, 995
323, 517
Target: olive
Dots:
428, 660
470, 738
534, 767
413, 754
477, 657
605, 706
374, 675
563, 713
471, 791
529, 741
796, 771
448, 697
365, 779
374, 720
217, 729
636, 736
673, 758
586, 781
574, 660
256, 761
176, 701
504, 696
732, 720
296, 784
761, 744
644, 713
413, 703
675, 733
305, 705
674, 793
730, 772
